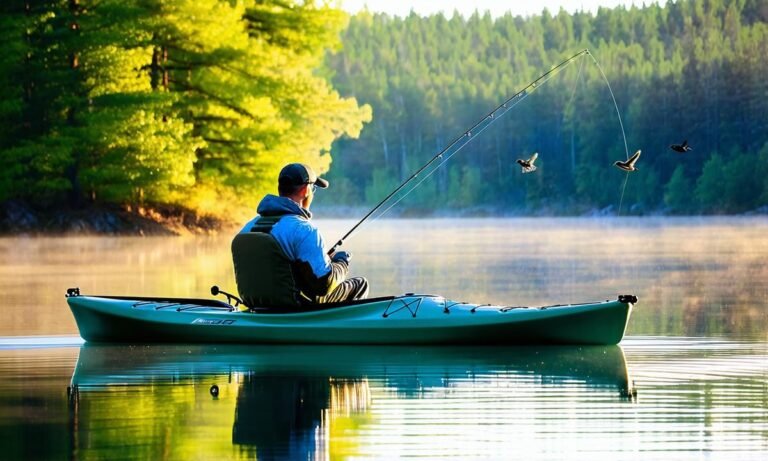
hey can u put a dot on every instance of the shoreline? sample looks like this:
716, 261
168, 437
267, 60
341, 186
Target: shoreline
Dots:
19, 219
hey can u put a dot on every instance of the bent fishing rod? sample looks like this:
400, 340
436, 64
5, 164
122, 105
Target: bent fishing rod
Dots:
464, 136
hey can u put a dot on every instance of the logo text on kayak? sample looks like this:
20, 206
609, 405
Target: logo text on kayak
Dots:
213, 322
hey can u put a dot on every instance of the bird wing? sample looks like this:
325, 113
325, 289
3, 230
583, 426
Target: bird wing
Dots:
533, 157
684, 144
633, 159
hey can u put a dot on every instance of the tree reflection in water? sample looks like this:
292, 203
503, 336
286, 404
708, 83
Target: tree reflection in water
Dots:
296, 402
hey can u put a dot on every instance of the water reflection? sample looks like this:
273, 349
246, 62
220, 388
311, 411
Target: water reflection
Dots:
695, 397
286, 417
297, 402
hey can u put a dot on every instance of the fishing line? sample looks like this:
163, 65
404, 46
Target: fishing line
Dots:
473, 133
445, 158
464, 139
493, 119
616, 106
624, 187
623, 135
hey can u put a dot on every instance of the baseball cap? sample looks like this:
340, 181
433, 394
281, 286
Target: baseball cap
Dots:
296, 174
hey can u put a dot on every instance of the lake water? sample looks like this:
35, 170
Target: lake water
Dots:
688, 382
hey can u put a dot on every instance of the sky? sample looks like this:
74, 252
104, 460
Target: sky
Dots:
496, 7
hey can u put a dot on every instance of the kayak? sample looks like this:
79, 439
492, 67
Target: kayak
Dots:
407, 319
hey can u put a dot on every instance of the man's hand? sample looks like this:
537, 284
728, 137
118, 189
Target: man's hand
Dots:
341, 256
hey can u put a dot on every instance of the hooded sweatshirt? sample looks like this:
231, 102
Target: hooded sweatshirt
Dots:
315, 274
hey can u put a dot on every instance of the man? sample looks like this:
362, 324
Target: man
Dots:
296, 271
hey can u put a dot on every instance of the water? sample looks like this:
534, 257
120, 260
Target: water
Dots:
689, 381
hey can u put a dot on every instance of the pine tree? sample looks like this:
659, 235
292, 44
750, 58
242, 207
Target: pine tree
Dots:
181, 102
677, 192
685, 70
710, 190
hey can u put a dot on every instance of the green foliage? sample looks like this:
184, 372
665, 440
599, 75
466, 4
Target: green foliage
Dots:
381, 185
691, 69
733, 184
143, 159
200, 102
644, 190
710, 187
189, 102
742, 186
678, 191
464, 187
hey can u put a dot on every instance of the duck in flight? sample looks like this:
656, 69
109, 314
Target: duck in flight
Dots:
682, 148
629, 165
527, 165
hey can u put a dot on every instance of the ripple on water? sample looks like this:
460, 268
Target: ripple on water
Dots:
697, 398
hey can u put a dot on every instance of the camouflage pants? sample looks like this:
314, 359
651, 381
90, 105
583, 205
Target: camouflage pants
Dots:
350, 289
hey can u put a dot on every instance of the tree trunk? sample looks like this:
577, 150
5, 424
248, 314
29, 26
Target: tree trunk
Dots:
384, 144
154, 72
165, 70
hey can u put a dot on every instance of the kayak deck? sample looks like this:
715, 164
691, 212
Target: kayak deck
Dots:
408, 319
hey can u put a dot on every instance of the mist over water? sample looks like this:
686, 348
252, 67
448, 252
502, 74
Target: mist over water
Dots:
694, 276
688, 382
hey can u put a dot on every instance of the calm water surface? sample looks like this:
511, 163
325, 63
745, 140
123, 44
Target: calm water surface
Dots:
689, 381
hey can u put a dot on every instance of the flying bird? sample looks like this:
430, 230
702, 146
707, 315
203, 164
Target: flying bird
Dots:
527, 165
682, 148
629, 165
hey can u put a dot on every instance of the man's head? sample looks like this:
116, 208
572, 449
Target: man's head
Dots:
297, 181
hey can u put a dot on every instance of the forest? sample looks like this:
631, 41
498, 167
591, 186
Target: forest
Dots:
181, 103
687, 70
196, 104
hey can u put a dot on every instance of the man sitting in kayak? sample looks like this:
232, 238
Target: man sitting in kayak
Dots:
291, 266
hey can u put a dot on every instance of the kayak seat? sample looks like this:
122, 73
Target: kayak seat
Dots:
263, 272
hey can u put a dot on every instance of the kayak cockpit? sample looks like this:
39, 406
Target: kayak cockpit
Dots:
184, 304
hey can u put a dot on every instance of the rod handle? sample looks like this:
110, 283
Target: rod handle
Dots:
333, 248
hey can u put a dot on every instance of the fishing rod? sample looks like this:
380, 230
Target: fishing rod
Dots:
466, 136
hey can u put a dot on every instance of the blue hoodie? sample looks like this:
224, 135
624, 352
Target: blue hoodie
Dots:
300, 240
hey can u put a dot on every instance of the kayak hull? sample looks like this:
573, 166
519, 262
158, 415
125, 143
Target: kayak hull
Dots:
410, 319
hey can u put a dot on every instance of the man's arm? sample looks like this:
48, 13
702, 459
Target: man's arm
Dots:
316, 274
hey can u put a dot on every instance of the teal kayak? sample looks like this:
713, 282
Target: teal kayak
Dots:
407, 319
